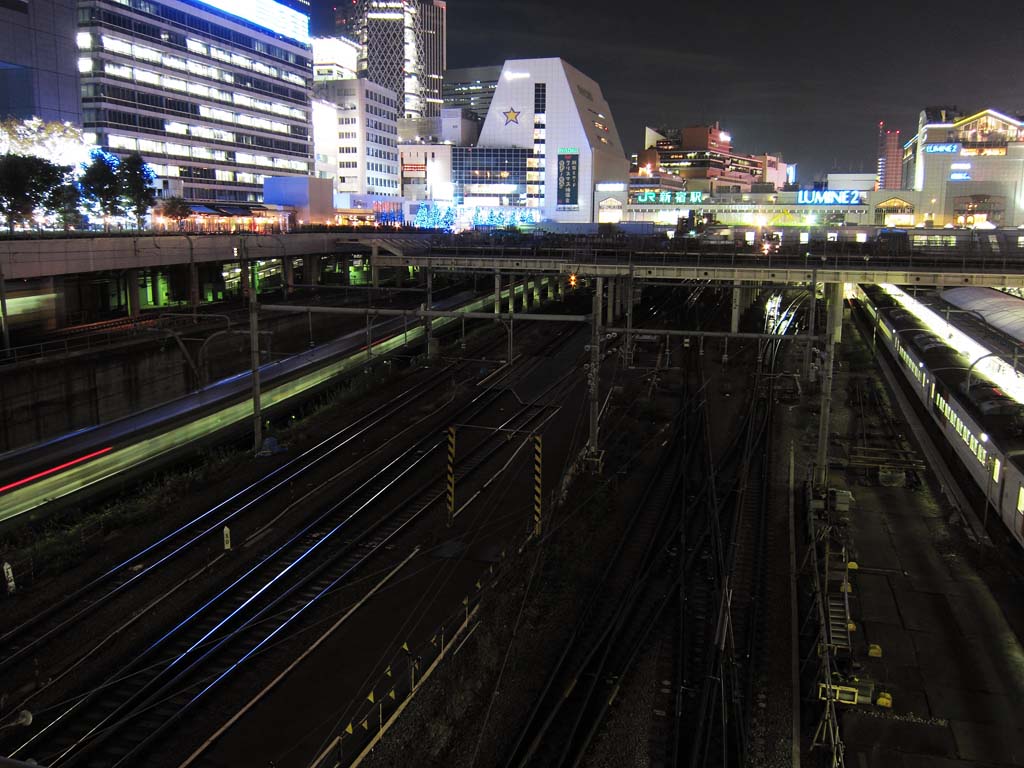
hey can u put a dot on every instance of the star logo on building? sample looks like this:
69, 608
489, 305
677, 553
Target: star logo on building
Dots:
511, 116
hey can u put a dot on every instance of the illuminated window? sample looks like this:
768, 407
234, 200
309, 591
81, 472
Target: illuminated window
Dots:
118, 70
174, 62
197, 47
85, 65
146, 54
84, 40
1020, 499
117, 46
145, 76
122, 142
996, 466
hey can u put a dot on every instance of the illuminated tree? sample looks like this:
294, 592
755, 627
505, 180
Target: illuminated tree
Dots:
26, 183
176, 209
60, 143
101, 185
136, 179
448, 220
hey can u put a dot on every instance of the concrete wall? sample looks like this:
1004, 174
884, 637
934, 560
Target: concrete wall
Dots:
45, 398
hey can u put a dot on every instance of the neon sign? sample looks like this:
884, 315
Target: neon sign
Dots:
960, 176
670, 198
829, 197
942, 149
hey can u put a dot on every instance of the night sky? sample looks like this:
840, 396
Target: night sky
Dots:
809, 79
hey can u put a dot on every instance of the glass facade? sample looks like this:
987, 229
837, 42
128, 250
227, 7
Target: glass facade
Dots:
490, 176
213, 102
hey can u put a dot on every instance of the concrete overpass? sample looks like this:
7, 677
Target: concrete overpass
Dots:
27, 259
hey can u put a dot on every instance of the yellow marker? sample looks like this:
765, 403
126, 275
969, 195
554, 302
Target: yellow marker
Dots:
875, 651
884, 700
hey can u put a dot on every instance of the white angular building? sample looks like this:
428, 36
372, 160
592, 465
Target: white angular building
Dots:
552, 109
548, 151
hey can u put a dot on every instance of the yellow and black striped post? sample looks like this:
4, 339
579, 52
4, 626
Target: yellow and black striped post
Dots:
450, 483
538, 452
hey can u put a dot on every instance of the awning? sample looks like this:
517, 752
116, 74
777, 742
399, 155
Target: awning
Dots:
233, 210
203, 209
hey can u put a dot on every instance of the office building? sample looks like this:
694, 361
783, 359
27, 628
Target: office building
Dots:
345, 18
471, 88
968, 170
335, 58
355, 136
433, 35
452, 126
38, 60
402, 47
213, 101
704, 156
890, 158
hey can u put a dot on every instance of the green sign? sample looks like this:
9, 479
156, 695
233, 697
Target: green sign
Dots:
568, 151
670, 198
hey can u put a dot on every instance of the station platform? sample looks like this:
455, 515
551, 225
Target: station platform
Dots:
935, 613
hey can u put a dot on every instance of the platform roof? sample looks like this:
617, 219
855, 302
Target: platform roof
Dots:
1000, 310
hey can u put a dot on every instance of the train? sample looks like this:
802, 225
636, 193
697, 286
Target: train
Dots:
860, 240
982, 423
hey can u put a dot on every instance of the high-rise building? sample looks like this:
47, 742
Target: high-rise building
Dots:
402, 47
471, 88
433, 33
355, 135
213, 101
890, 158
346, 15
38, 70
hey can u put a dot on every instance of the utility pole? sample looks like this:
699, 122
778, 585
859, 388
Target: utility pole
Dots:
3, 313
834, 312
254, 354
595, 365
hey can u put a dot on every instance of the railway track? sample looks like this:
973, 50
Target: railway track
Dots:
115, 723
693, 598
30, 636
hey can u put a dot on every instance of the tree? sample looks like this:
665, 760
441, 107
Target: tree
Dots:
25, 185
60, 143
175, 208
136, 179
448, 220
65, 201
101, 185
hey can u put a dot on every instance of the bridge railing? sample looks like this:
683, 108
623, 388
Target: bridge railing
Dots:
832, 256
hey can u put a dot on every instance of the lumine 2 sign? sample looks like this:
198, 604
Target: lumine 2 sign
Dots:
829, 197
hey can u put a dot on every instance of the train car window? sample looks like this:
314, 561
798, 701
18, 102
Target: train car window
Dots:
996, 466
1020, 499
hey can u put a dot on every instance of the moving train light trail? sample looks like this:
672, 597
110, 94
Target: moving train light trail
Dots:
994, 368
31, 493
58, 468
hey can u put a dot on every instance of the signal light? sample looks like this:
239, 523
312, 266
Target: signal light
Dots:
572, 280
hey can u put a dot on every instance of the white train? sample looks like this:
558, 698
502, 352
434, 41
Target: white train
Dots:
983, 425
